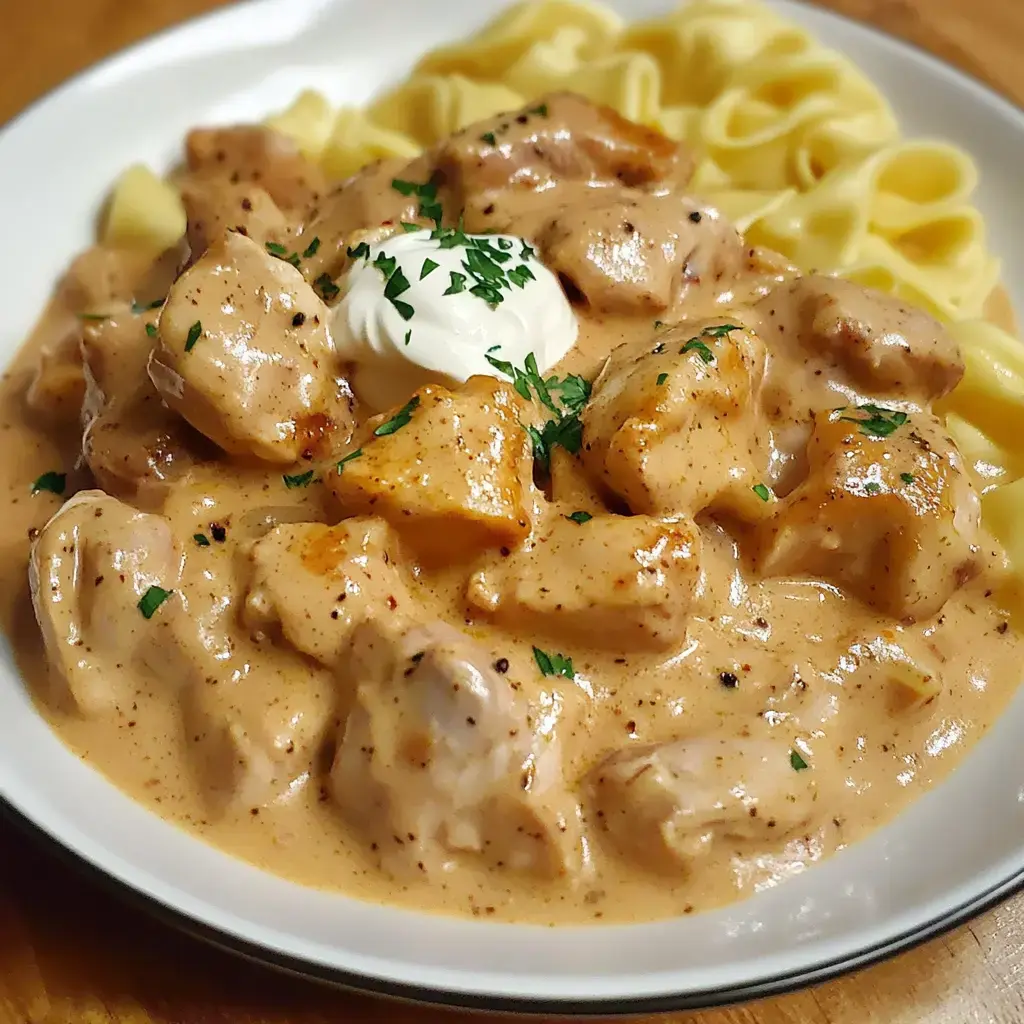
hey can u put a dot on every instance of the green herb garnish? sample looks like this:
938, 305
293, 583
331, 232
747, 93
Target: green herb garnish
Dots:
360, 252
580, 517
458, 283
276, 249
796, 761
325, 287
553, 664
193, 335
152, 599
542, 110
426, 192
298, 480
311, 249
875, 421
139, 307
408, 336
762, 491
907, 478
94, 316
349, 458
151, 330
429, 266
408, 227
662, 377
719, 330
698, 346
399, 420
489, 138
201, 540
871, 487
52, 481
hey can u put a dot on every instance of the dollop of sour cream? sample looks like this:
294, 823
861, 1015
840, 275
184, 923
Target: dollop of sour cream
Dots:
432, 306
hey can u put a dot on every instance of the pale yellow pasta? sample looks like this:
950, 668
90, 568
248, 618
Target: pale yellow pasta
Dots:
355, 141
144, 212
308, 121
1002, 511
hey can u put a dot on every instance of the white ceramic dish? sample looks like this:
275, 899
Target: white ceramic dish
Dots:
954, 853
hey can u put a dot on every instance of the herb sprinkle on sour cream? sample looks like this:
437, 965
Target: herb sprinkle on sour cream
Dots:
429, 306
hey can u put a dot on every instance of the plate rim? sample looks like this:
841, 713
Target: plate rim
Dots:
782, 982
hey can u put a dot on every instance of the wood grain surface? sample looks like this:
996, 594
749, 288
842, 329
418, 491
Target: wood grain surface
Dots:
69, 952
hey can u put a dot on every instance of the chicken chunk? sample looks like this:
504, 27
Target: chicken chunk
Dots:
214, 206
886, 511
441, 756
57, 389
315, 583
882, 347
563, 137
671, 426
477, 495
630, 252
258, 156
244, 354
624, 583
666, 805
89, 568
135, 447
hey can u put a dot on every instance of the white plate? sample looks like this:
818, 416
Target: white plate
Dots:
954, 853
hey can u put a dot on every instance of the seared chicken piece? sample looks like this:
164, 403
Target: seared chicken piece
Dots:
880, 346
886, 511
671, 425
666, 805
101, 279
618, 582
443, 756
365, 201
214, 206
315, 583
259, 156
562, 137
630, 252
89, 568
450, 470
58, 384
244, 354
135, 447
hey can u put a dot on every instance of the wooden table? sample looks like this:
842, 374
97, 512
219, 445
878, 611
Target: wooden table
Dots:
70, 953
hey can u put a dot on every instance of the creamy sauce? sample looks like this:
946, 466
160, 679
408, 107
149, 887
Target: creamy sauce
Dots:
814, 709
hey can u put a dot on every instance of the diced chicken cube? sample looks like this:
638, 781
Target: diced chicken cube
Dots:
562, 137
214, 206
671, 425
886, 511
315, 583
477, 494
664, 806
626, 251
58, 384
881, 346
441, 757
89, 568
258, 156
244, 354
621, 582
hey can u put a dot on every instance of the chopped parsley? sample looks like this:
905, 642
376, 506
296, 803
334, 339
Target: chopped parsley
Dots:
520, 275
719, 330
541, 109
152, 599
429, 266
408, 227
662, 377
579, 517
408, 336
907, 478
151, 330
94, 316
276, 249
762, 491
489, 138
698, 346
871, 487
193, 335
426, 192
201, 540
875, 421
458, 283
553, 664
140, 307
399, 420
311, 249
797, 763
298, 480
325, 287
349, 458
52, 481
360, 252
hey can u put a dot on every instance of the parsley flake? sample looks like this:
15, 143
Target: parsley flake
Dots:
145, 307
360, 252
193, 335
151, 330
276, 249
201, 540
152, 599
553, 664
797, 763
875, 421
408, 227
408, 336
763, 491
580, 517
426, 192
520, 275
872, 488
349, 458
662, 377
698, 346
907, 478
399, 420
311, 249
541, 109
429, 266
489, 138
719, 330
52, 481
458, 283
94, 316
298, 480
325, 287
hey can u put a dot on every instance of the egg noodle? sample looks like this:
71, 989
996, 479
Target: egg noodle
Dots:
795, 146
